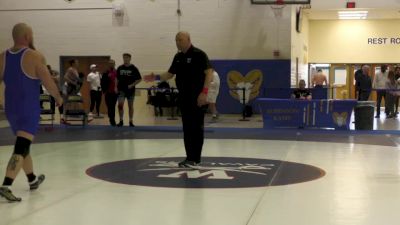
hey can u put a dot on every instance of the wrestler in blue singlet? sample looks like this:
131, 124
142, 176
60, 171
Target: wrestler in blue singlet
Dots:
22, 105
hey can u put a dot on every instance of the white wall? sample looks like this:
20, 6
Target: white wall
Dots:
225, 29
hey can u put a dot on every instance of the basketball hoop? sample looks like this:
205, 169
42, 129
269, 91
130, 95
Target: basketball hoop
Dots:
277, 8
118, 10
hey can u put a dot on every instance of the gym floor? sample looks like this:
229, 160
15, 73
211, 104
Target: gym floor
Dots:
107, 175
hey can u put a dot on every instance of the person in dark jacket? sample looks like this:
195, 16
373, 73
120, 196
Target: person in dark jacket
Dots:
364, 84
110, 90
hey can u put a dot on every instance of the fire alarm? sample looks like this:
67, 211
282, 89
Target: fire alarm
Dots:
350, 5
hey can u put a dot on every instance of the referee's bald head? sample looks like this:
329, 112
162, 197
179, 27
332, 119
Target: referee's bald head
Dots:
183, 42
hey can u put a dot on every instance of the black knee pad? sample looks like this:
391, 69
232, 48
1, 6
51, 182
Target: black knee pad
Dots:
22, 146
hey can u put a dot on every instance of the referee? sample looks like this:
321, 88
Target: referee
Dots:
193, 77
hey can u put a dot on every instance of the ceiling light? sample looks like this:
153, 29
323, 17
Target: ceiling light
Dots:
353, 15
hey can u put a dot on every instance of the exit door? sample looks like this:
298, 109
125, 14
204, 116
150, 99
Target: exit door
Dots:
340, 81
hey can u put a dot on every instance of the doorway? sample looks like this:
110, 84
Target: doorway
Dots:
340, 81
341, 78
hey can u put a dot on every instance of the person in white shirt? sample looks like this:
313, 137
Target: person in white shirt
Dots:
94, 78
213, 92
379, 84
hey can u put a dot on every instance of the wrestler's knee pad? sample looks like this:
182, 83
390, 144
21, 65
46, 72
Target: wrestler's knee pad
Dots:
22, 146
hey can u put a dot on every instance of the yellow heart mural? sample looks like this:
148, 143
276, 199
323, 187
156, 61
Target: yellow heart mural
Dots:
251, 83
340, 118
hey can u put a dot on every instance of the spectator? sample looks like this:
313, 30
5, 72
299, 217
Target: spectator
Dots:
319, 79
212, 96
302, 93
379, 83
128, 77
109, 87
94, 78
364, 84
391, 93
397, 78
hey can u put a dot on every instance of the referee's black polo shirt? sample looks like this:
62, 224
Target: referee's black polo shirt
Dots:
189, 69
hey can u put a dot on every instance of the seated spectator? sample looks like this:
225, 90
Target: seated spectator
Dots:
161, 96
73, 83
302, 93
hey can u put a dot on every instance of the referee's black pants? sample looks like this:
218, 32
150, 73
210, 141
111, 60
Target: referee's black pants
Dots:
193, 128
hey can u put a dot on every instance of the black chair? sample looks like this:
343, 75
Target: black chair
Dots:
46, 112
162, 96
75, 114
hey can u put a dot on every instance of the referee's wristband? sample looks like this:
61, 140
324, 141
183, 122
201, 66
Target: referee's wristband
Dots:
205, 90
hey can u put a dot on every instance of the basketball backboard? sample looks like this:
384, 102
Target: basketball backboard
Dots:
281, 2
